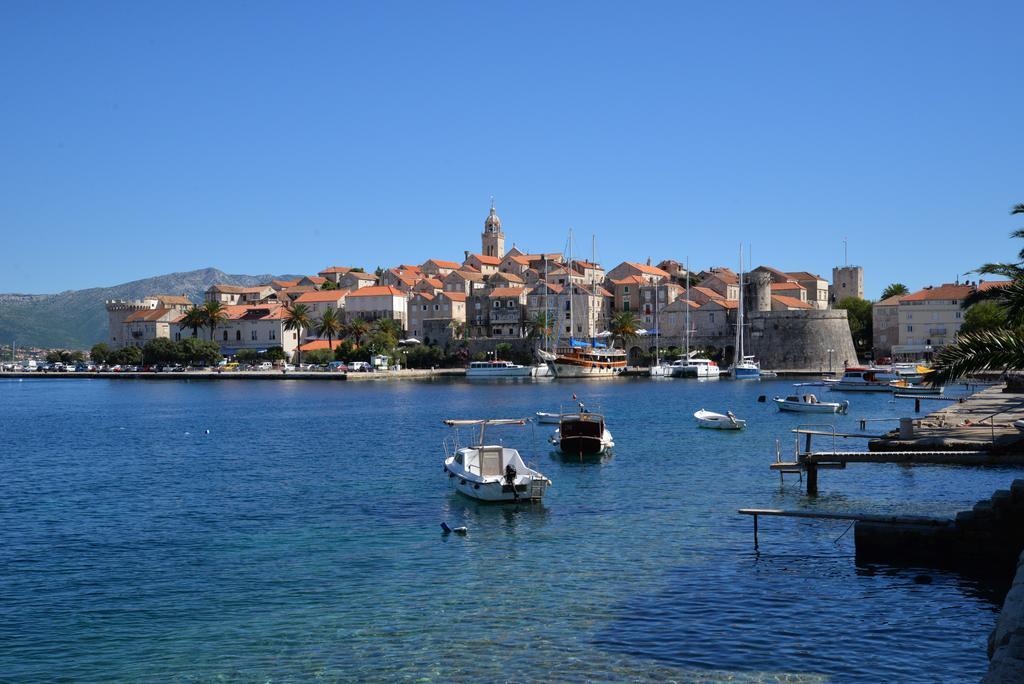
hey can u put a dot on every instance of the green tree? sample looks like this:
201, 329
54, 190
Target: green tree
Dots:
275, 354
126, 356
503, 351
53, 356
540, 327
213, 315
624, 327
424, 356
357, 330
247, 356
329, 325
986, 315
197, 352
344, 352
298, 319
160, 350
858, 313
195, 318
894, 290
99, 352
319, 357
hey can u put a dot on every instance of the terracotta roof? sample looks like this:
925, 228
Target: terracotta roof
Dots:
429, 296
172, 299
433, 282
466, 275
336, 269
360, 275
315, 279
725, 303
409, 267
707, 292
947, 291
454, 296
227, 289
787, 286
579, 263
554, 287
487, 260
298, 289
783, 277
891, 301
725, 275
790, 301
507, 292
804, 275
469, 268
521, 260
989, 284
284, 283
377, 291
603, 292
319, 344
440, 263
321, 296
630, 280
510, 277
146, 315
255, 311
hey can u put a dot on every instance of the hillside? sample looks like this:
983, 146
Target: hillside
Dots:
77, 319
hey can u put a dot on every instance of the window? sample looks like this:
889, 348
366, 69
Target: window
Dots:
273, 334
711, 316
253, 335
625, 305
225, 335
568, 304
625, 289
511, 332
910, 328
567, 315
177, 336
424, 307
568, 329
437, 307
238, 335
958, 314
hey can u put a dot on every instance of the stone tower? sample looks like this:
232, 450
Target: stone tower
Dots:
493, 240
847, 281
757, 293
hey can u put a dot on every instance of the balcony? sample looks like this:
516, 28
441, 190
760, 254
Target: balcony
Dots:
936, 331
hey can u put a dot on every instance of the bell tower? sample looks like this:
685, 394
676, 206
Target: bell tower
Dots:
492, 240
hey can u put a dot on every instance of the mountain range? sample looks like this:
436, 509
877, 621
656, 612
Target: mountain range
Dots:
77, 319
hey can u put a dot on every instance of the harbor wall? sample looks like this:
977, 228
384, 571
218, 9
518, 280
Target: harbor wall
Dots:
1006, 642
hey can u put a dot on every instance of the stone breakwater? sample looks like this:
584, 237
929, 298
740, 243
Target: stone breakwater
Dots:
1006, 643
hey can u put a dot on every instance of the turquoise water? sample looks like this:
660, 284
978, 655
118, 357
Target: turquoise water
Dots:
300, 540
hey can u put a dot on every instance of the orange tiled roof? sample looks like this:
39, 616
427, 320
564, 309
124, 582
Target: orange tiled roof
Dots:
466, 275
521, 260
707, 292
454, 296
429, 296
441, 263
725, 303
146, 315
321, 296
804, 275
507, 292
787, 286
554, 287
487, 260
316, 279
947, 291
989, 284
649, 270
790, 301
377, 291
336, 269
319, 344
284, 283
172, 299
630, 280
891, 301
510, 277
433, 282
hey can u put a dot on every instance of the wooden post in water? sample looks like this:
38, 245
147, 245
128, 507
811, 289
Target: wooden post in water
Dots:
917, 405
812, 478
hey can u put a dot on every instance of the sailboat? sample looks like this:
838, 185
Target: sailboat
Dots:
691, 365
744, 367
542, 370
579, 358
658, 369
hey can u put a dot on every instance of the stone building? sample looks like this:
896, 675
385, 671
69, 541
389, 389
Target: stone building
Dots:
119, 310
847, 281
493, 239
885, 324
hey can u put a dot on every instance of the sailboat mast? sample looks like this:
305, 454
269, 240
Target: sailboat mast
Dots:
738, 353
569, 278
687, 337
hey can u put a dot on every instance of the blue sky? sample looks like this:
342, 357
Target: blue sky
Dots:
138, 139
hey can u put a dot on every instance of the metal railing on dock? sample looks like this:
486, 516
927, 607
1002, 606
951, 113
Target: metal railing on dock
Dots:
855, 517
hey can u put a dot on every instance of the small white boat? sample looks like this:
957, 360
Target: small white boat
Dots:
583, 433
540, 370
551, 418
694, 368
808, 403
497, 369
662, 370
864, 380
491, 472
718, 421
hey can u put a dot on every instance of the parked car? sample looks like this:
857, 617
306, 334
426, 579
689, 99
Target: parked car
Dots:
265, 366
360, 367
337, 366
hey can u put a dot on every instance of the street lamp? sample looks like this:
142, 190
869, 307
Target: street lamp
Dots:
830, 352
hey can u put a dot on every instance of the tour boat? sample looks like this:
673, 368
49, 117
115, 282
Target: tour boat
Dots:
491, 472
497, 369
717, 421
808, 403
583, 360
582, 433
864, 380
904, 387
695, 368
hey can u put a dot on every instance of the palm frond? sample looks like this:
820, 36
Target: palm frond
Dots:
1017, 209
1000, 350
1011, 271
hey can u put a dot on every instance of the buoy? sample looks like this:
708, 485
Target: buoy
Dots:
207, 432
761, 399
458, 530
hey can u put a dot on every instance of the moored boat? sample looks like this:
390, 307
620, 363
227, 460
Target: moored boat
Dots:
584, 360
497, 369
808, 403
904, 387
582, 433
695, 368
864, 380
719, 421
491, 472
747, 369
550, 418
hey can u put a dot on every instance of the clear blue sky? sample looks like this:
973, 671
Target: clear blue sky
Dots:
142, 138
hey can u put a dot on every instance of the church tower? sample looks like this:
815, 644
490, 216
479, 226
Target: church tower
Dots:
493, 240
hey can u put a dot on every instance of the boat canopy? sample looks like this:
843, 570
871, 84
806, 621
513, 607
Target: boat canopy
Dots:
573, 342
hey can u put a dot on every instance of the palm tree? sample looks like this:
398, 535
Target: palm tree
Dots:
894, 290
195, 318
540, 326
1000, 349
458, 329
298, 319
357, 330
388, 326
329, 326
214, 314
624, 326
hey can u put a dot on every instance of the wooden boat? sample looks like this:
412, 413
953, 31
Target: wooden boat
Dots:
808, 403
718, 421
491, 472
582, 433
581, 360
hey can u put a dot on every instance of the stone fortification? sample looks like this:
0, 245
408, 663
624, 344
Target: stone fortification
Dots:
784, 340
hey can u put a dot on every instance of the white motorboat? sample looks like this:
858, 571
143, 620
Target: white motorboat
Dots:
661, 370
540, 370
491, 472
808, 403
497, 369
864, 380
718, 421
550, 418
582, 433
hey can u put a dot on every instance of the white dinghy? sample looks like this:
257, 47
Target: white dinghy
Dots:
718, 421
491, 472
808, 403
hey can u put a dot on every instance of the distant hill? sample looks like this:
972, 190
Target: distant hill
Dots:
77, 319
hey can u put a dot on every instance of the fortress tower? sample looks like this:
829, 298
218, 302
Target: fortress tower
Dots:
492, 240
